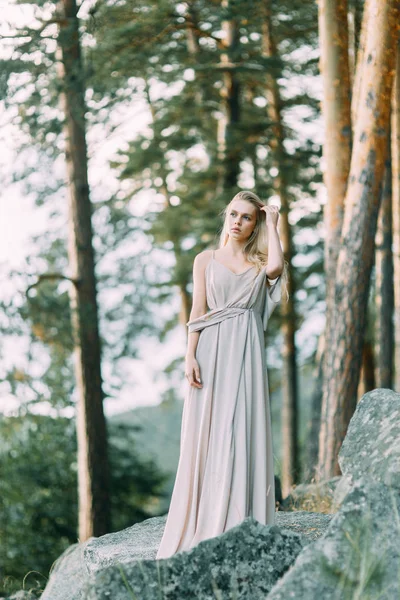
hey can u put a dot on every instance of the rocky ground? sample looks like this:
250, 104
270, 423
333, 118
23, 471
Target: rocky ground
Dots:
351, 553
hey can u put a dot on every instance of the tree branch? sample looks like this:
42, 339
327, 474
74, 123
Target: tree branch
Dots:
50, 276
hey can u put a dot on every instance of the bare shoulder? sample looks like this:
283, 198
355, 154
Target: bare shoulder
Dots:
202, 259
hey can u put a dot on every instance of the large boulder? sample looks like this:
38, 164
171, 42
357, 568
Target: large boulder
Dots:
371, 447
243, 563
357, 557
67, 575
359, 554
139, 542
73, 568
81, 563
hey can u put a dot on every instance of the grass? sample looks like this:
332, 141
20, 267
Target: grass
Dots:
10, 585
318, 498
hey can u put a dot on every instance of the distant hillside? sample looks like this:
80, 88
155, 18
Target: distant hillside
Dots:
159, 436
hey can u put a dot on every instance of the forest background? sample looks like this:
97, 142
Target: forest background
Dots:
143, 119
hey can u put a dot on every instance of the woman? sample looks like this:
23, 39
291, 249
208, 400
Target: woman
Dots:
225, 471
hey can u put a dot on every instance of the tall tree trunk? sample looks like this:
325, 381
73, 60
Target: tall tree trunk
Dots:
93, 469
229, 142
290, 444
336, 109
347, 319
395, 146
384, 284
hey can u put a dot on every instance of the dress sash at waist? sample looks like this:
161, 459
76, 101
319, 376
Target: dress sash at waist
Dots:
215, 316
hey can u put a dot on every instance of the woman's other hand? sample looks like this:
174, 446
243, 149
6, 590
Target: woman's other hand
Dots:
192, 372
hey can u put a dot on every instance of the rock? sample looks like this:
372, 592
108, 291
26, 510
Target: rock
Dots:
357, 557
317, 497
75, 567
243, 563
371, 447
138, 542
68, 575
342, 489
79, 561
310, 525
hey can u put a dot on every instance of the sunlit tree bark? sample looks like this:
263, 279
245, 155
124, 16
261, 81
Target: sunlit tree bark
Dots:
336, 110
345, 333
355, 97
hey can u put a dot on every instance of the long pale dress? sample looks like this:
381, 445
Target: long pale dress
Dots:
225, 470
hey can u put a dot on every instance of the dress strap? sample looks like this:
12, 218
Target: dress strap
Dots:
213, 253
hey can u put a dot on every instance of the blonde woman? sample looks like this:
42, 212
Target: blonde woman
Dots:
225, 471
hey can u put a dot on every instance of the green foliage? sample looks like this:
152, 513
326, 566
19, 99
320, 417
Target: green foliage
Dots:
186, 116
38, 493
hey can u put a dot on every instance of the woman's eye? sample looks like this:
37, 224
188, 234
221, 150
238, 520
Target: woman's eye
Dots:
247, 217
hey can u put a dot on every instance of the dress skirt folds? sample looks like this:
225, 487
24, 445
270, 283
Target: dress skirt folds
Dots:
225, 470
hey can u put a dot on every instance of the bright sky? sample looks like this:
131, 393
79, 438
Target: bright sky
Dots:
19, 220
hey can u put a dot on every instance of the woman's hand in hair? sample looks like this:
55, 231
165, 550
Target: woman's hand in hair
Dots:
271, 214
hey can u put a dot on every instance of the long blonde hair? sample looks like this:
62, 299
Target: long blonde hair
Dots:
256, 247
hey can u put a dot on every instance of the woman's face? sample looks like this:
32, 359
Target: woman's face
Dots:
241, 216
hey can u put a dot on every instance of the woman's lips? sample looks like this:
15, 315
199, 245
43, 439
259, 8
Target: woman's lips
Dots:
235, 229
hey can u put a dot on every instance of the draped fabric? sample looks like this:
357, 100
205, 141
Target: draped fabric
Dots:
225, 470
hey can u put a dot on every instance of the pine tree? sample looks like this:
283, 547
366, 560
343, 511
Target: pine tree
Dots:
346, 325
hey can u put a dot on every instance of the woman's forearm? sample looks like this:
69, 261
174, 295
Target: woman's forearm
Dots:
193, 338
275, 254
